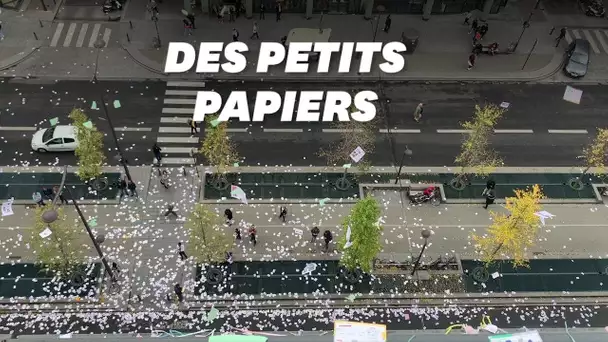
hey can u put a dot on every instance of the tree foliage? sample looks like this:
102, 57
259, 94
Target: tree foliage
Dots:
595, 153
366, 230
353, 134
218, 148
65, 249
90, 152
207, 243
511, 235
476, 155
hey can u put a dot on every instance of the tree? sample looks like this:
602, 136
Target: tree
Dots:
218, 148
476, 155
366, 230
64, 250
511, 235
208, 243
353, 134
595, 153
90, 152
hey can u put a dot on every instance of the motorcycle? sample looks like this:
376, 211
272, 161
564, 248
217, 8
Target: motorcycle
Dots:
431, 194
111, 6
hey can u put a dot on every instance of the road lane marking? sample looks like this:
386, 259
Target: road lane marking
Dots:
94, 35
69, 35
82, 34
237, 130
180, 101
178, 140
174, 130
175, 120
569, 131
133, 129
178, 111
106, 36
18, 128
384, 130
283, 130
173, 92
591, 41
341, 130
460, 131
568, 37
600, 38
57, 35
182, 150
516, 131
186, 84
175, 161
576, 34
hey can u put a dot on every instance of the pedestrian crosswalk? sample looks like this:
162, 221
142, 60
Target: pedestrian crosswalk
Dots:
598, 38
174, 134
78, 34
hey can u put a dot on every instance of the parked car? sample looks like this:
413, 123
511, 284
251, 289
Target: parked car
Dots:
577, 58
60, 138
593, 8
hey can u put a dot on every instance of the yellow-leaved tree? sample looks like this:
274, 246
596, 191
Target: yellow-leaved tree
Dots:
64, 250
595, 153
476, 155
90, 152
362, 246
353, 134
208, 243
217, 148
511, 235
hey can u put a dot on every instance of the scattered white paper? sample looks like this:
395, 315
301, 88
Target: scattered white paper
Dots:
7, 208
351, 297
573, 95
348, 234
45, 233
505, 105
311, 267
495, 275
544, 215
66, 335
298, 231
357, 154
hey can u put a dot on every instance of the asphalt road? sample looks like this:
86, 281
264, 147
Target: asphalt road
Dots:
304, 319
538, 108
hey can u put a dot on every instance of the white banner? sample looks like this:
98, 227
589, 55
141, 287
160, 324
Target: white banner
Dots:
345, 331
526, 336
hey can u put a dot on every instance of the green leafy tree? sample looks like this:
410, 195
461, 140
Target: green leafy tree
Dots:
366, 231
353, 134
90, 152
476, 155
208, 243
64, 251
596, 152
218, 148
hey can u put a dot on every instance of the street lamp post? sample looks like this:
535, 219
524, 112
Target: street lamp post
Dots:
122, 160
380, 10
52, 215
157, 43
425, 235
526, 24
406, 152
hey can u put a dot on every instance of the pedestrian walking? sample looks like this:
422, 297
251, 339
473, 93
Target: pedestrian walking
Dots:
193, 128
483, 30
474, 26
187, 27
278, 10
237, 234
231, 14
122, 185
467, 18
283, 213
1, 32
191, 18
228, 215
327, 237
157, 153
262, 12
418, 112
562, 35
387, 23
37, 197
235, 35
229, 258
490, 195
476, 37
181, 251
253, 235
164, 179
255, 34
179, 292
115, 267
62, 198
284, 40
315, 233
472, 59
170, 211
132, 188
48, 194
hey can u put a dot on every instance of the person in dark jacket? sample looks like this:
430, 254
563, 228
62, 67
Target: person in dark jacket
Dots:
327, 237
315, 233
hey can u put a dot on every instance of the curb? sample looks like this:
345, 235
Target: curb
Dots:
144, 61
12, 61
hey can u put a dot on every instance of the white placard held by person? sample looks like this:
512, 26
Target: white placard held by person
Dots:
357, 154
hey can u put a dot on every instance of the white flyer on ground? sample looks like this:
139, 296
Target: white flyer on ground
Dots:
357, 154
45, 233
573, 95
345, 331
7, 208
505, 105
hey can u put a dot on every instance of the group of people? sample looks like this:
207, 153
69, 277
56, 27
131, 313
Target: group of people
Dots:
477, 33
49, 194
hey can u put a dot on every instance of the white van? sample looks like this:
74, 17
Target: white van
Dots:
60, 138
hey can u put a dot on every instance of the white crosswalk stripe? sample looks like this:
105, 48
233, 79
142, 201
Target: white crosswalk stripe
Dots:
77, 34
598, 39
174, 134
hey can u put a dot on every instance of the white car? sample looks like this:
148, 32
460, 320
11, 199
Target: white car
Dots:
60, 138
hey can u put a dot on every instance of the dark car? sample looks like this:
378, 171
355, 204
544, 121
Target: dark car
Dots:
577, 58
